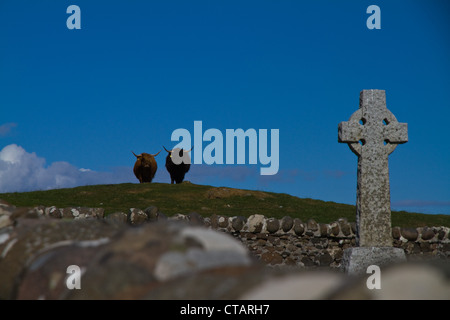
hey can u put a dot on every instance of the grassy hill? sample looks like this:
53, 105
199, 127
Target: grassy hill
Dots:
206, 200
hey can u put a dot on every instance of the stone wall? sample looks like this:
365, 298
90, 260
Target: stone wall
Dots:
276, 242
142, 254
310, 244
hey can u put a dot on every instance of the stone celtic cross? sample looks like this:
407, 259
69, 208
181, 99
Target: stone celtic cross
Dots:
372, 133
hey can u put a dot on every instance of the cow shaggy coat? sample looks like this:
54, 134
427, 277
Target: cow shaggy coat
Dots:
145, 167
177, 171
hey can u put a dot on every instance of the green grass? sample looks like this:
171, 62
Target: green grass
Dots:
205, 200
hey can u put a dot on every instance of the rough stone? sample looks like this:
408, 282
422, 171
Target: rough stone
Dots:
98, 213
195, 218
48, 282
115, 264
334, 226
216, 250
312, 225
345, 228
54, 212
238, 223
291, 247
27, 213
152, 213
136, 216
272, 258
425, 247
214, 219
416, 248
446, 247
427, 234
315, 285
324, 229
414, 281
264, 236
181, 254
272, 225
4, 205
256, 223
287, 223
222, 222
319, 243
81, 213
5, 221
299, 227
175, 260
6, 214
120, 217
409, 234
178, 217
260, 242
285, 254
373, 133
162, 216
356, 260
68, 213
396, 233
33, 238
325, 259
307, 261
353, 227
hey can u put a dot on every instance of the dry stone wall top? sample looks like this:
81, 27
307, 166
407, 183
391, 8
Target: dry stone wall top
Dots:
276, 242
191, 257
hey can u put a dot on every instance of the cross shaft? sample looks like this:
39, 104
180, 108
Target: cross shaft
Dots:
373, 133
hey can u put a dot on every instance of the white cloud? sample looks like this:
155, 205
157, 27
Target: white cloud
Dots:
23, 171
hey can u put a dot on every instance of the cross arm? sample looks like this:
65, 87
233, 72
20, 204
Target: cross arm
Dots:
396, 132
349, 131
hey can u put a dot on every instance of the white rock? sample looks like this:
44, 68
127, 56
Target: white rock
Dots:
213, 240
256, 220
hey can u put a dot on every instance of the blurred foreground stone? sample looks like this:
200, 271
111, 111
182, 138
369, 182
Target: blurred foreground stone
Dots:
174, 260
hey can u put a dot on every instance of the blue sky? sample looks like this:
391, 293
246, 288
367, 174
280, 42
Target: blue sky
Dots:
75, 103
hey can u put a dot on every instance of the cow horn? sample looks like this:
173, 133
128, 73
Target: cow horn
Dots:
167, 150
134, 154
154, 155
189, 150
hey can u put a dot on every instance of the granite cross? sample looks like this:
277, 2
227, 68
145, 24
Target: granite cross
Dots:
372, 133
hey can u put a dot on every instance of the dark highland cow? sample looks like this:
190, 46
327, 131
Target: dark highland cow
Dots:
145, 167
177, 171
